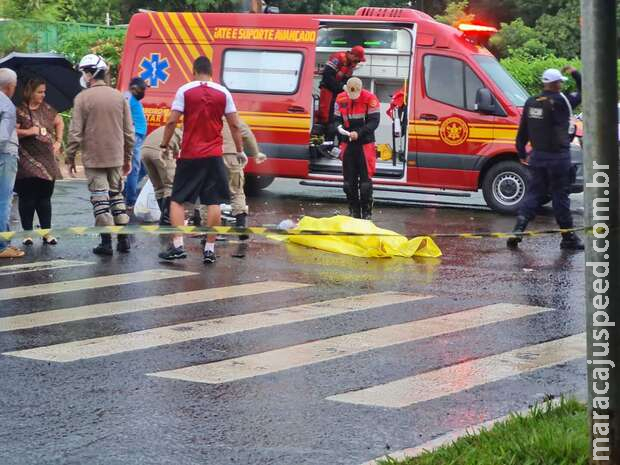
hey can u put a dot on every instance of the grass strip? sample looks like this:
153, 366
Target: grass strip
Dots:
548, 435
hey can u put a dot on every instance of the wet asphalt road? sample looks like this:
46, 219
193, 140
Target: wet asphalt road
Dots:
106, 410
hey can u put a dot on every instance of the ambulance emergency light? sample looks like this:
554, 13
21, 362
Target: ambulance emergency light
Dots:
476, 33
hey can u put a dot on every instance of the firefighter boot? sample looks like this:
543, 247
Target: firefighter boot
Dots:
355, 210
513, 242
366, 199
571, 241
123, 245
367, 211
241, 222
105, 248
353, 197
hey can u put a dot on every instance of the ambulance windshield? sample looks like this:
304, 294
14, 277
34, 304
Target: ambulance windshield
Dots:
509, 86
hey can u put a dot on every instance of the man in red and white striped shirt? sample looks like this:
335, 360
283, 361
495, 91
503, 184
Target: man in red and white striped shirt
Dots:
200, 172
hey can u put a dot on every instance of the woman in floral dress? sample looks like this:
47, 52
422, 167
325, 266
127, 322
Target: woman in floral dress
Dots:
40, 129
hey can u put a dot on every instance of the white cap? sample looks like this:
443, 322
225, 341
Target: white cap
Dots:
553, 75
93, 61
354, 88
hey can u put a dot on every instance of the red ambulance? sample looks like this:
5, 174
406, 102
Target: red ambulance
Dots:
456, 131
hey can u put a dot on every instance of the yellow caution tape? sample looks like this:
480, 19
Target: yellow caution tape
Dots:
263, 231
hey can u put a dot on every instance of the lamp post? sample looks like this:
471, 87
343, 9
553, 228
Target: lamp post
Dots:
602, 212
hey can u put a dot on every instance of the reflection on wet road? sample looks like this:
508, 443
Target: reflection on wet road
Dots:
288, 356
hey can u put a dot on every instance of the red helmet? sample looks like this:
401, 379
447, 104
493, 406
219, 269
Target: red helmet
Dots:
358, 51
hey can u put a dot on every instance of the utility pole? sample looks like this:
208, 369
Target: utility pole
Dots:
602, 212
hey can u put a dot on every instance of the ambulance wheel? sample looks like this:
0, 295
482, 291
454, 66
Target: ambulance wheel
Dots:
255, 184
504, 186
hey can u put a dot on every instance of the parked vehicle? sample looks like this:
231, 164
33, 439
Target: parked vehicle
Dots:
462, 108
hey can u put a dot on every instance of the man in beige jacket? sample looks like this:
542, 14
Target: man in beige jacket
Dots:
102, 131
236, 176
161, 167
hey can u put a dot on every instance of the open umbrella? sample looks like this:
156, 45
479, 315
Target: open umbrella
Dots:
62, 81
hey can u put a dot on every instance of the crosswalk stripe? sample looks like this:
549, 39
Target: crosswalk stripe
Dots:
41, 266
85, 312
342, 346
109, 345
466, 375
90, 283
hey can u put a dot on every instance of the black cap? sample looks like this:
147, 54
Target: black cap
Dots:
138, 82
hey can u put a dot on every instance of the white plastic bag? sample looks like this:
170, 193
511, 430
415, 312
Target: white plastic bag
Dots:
146, 208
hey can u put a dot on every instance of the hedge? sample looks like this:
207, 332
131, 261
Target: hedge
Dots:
528, 70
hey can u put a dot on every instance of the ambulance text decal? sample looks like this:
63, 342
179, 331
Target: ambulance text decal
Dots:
261, 34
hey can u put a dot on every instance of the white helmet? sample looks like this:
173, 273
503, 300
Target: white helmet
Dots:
94, 65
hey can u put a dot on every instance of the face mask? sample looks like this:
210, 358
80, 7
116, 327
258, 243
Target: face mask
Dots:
84, 81
139, 95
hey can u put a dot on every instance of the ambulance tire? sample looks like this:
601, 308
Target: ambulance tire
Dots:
255, 184
504, 186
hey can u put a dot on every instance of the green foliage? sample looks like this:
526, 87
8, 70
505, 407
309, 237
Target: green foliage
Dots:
93, 11
456, 12
16, 38
105, 42
511, 36
531, 10
557, 34
528, 70
40, 10
561, 33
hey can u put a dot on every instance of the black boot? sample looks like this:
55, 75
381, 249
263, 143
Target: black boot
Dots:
123, 245
164, 219
355, 210
241, 222
513, 242
196, 219
160, 204
105, 248
571, 241
367, 211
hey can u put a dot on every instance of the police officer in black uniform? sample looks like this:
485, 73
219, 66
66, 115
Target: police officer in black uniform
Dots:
546, 124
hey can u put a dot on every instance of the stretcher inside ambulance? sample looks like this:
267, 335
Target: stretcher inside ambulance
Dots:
456, 122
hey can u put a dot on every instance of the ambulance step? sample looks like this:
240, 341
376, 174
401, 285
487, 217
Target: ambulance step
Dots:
381, 188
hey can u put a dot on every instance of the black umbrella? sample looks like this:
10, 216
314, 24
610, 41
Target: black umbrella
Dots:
62, 80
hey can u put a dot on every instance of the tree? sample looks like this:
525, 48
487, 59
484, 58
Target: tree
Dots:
456, 12
104, 42
493, 12
531, 10
561, 33
92, 11
41, 10
16, 38
512, 36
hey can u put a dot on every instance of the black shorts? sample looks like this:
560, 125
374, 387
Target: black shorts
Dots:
201, 178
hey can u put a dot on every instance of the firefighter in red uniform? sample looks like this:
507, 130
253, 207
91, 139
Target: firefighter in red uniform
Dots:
338, 69
357, 115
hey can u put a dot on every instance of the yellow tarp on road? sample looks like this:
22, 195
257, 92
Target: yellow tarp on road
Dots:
390, 245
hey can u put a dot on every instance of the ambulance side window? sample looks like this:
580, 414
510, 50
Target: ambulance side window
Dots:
262, 71
472, 85
451, 81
